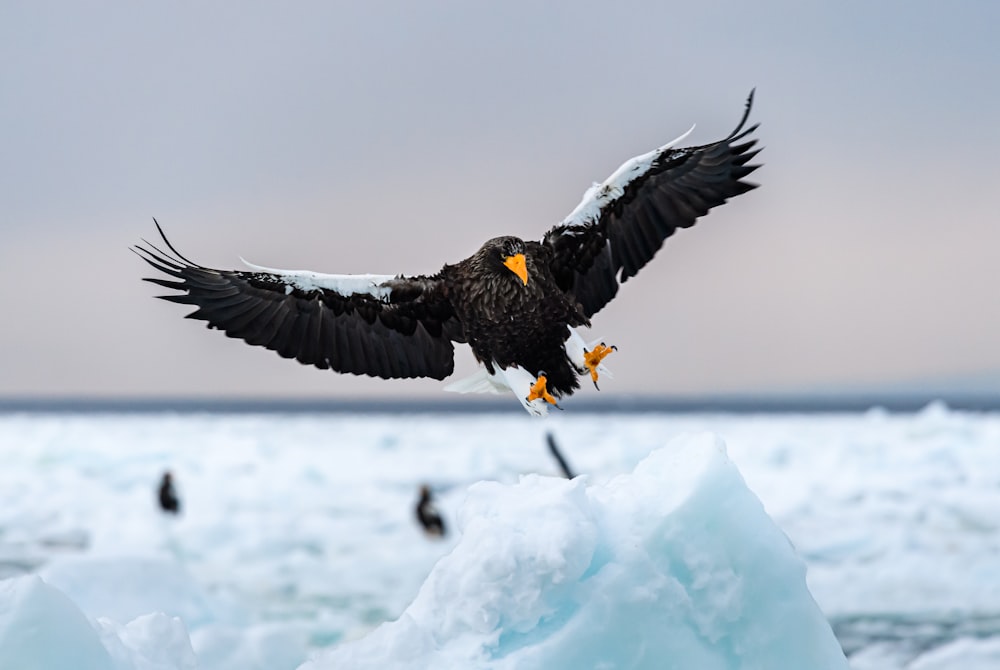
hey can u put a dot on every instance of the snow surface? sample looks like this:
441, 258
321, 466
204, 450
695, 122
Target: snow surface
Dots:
674, 566
298, 534
41, 628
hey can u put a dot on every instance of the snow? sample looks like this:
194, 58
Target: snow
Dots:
677, 561
125, 587
41, 628
298, 537
148, 642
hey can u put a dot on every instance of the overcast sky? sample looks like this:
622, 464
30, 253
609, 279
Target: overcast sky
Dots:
391, 137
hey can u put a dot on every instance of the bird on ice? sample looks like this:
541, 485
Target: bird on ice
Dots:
167, 495
428, 515
515, 302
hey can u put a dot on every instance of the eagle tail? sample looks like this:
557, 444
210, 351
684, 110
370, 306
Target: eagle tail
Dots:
480, 381
513, 379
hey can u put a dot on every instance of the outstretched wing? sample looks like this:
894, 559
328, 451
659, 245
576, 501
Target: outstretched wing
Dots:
376, 325
620, 224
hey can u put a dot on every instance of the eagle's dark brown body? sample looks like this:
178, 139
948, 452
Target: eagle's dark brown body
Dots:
509, 323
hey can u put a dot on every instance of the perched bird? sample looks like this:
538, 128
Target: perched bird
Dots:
167, 495
428, 515
515, 302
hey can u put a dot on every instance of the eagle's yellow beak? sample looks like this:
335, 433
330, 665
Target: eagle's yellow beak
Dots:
517, 265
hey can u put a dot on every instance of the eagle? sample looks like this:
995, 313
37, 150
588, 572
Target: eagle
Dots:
516, 303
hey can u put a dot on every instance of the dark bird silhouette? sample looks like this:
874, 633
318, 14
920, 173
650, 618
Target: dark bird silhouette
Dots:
558, 456
169, 502
428, 515
515, 302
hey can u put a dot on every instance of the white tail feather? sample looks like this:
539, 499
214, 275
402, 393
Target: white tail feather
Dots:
480, 381
513, 379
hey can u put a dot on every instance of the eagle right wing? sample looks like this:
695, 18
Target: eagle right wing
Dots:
377, 325
622, 222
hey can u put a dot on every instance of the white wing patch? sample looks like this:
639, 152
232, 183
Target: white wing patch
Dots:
345, 285
599, 195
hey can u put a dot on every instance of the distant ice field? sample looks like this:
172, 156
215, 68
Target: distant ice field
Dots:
298, 530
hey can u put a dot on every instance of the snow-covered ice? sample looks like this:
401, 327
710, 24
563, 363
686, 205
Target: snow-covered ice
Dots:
297, 535
674, 566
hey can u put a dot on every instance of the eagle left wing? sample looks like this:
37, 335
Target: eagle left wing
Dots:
621, 223
378, 325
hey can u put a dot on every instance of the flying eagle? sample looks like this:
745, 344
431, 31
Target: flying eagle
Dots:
515, 302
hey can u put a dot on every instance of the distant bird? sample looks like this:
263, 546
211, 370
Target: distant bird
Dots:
169, 502
558, 456
515, 302
428, 515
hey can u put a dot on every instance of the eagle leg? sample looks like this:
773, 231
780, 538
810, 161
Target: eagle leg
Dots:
539, 390
594, 357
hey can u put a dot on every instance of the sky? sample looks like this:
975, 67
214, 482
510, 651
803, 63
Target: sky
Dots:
392, 137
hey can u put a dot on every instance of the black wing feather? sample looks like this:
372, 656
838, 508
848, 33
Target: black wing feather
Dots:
401, 337
591, 257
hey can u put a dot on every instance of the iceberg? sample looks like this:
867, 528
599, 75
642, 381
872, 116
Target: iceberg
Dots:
123, 588
676, 565
42, 629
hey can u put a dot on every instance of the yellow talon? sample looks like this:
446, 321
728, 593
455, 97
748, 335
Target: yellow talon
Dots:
538, 390
593, 358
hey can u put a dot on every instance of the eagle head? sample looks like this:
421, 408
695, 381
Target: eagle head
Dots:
504, 255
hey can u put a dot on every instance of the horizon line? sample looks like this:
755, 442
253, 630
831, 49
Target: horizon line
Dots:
740, 403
